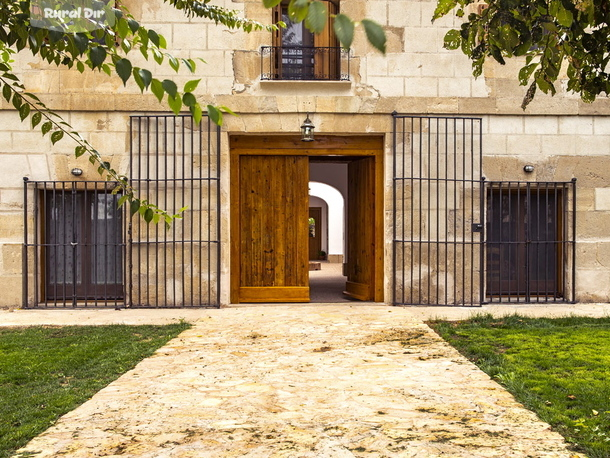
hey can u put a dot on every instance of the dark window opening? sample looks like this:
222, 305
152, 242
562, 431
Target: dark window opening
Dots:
83, 247
526, 241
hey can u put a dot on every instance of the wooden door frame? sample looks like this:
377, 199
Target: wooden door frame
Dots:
291, 145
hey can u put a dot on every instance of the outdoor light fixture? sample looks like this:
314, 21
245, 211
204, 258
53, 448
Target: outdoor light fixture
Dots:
76, 172
307, 130
528, 168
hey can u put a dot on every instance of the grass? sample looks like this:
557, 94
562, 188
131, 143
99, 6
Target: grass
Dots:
559, 368
47, 371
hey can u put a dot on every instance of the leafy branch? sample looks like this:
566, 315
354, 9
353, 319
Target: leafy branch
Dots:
549, 33
49, 122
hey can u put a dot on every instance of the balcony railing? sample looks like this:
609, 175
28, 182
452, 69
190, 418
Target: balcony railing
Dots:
303, 63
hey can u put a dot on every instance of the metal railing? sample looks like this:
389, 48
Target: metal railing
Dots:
302, 63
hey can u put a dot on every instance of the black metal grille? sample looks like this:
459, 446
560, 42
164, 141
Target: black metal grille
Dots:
81, 250
74, 245
530, 249
175, 163
303, 63
437, 246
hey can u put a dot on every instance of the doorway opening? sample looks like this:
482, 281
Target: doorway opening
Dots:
271, 222
327, 241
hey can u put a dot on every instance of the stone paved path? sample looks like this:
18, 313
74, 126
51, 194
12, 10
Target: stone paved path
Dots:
302, 381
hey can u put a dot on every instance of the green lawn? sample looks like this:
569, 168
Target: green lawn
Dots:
559, 368
47, 371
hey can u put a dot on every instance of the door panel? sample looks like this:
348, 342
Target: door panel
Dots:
273, 204
360, 266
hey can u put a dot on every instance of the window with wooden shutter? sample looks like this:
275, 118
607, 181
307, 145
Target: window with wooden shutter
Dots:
298, 54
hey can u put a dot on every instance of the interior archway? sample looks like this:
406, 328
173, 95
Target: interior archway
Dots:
335, 236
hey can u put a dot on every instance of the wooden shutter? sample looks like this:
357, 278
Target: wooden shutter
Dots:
326, 63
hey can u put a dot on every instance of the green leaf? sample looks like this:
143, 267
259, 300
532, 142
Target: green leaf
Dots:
124, 69
191, 85
175, 103
297, 10
122, 28
375, 34
526, 72
46, 127
189, 99
56, 136
97, 56
226, 109
80, 66
148, 215
271, 3
174, 63
81, 41
565, 17
344, 29
36, 118
153, 36
24, 111
79, 151
170, 87
133, 25
138, 79
157, 88
196, 112
146, 76
443, 7
6, 92
17, 101
215, 115
316, 17
134, 206
189, 64
122, 200
453, 39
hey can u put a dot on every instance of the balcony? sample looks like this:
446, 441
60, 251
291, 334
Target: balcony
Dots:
301, 63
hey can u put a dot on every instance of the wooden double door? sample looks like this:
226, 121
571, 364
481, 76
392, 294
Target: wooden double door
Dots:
270, 214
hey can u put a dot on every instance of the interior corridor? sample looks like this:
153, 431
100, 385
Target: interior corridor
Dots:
327, 284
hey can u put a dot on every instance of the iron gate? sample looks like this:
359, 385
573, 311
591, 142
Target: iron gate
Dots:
175, 163
81, 250
438, 195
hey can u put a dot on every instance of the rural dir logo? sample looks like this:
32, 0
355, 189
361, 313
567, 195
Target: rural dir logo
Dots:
74, 16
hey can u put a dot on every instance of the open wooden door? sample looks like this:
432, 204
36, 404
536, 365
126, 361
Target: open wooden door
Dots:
361, 258
273, 219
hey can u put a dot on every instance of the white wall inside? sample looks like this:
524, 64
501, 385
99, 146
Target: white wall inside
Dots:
333, 222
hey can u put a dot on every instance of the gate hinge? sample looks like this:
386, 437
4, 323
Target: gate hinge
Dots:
477, 227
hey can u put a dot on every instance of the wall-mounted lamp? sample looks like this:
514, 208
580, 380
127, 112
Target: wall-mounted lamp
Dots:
76, 172
307, 130
528, 168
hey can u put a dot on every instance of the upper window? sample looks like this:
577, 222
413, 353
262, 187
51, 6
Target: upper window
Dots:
298, 54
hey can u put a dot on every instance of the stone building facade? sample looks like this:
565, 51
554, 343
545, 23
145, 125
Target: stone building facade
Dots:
428, 238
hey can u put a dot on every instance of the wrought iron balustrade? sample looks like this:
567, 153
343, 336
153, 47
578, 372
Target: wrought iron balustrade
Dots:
302, 63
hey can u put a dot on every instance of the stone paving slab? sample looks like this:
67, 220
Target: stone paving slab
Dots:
292, 381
